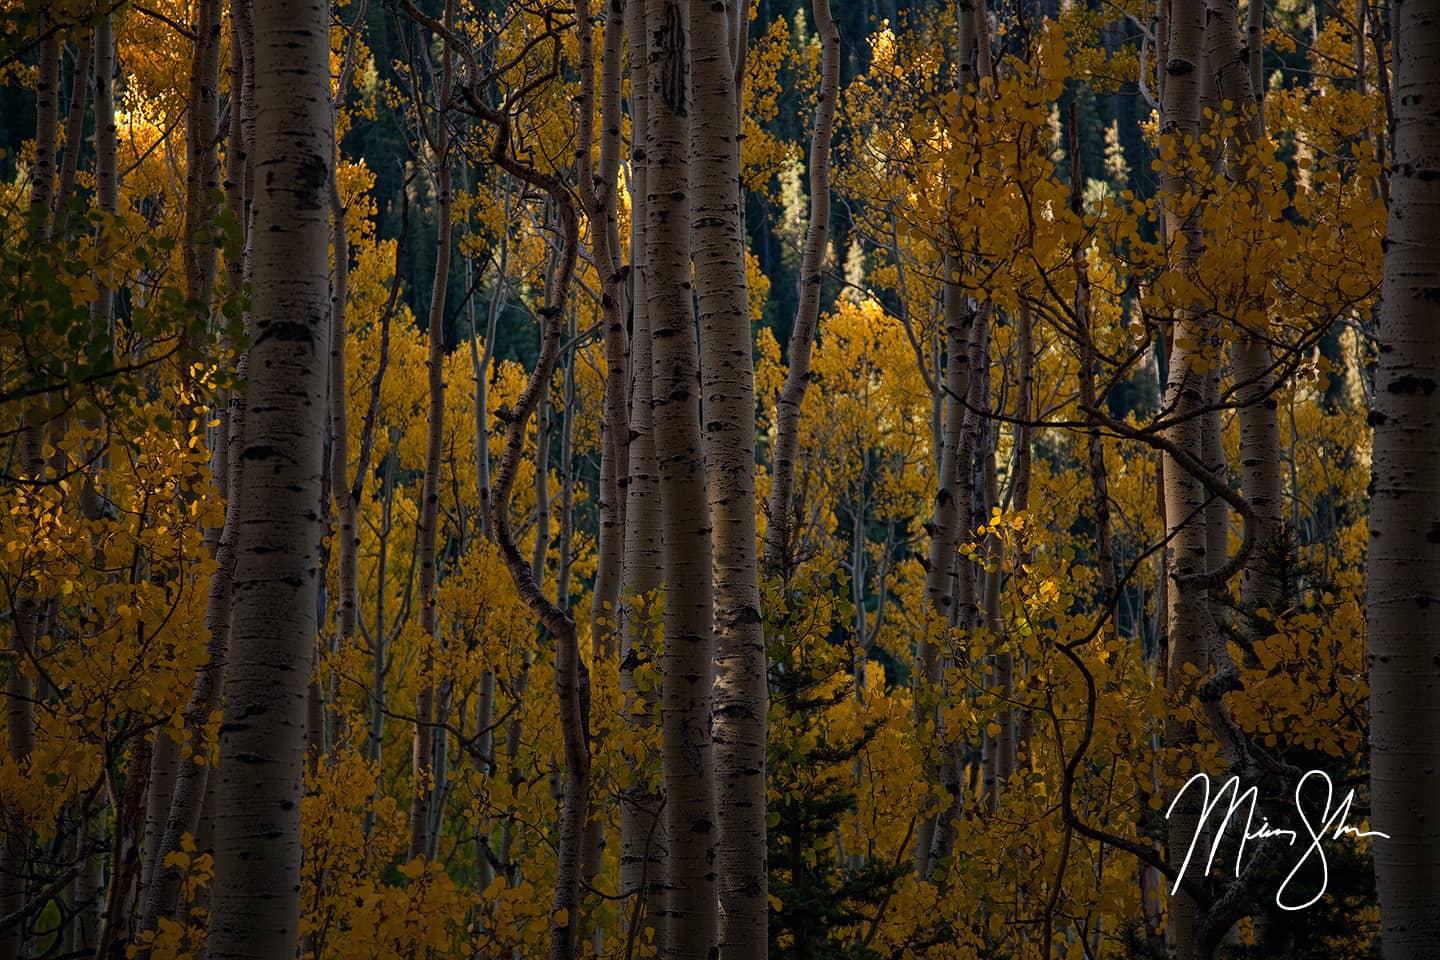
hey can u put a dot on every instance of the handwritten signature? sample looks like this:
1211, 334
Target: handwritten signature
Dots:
1330, 825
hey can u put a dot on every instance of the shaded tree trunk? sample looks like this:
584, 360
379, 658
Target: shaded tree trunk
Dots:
778, 546
642, 842
423, 748
741, 693
255, 900
1404, 566
691, 922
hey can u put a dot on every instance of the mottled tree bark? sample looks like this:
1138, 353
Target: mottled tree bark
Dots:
642, 841
1404, 568
255, 901
422, 754
202, 173
1190, 626
946, 521
691, 922
25, 619
728, 382
778, 548
599, 190
74, 126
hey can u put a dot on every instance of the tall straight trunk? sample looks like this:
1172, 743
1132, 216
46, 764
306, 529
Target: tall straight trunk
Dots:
255, 899
85, 927
92, 499
422, 751
1190, 627
1237, 76
946, 521
202, 176
1094, 439
778, 533
47, 126
74, 126
599, 190
598, 194
480, 366
967, 590
728, 381
347, 492
127, 805
642, 846
687, 755
1020, 489
157, 805
1404, 567
25, 619
177, 785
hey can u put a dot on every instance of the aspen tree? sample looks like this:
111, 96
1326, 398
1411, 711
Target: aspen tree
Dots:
255, 900
85, 926
1403, 579
423, 749
1189, 626
1238, 81
202, 173
598, 191
642, 840
74, 124
691, 921
25, 619
779, 522
178, 790
946, 520
728, 379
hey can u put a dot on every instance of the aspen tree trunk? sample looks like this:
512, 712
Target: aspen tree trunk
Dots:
1190, 626
1404, 566
778, 548
946, 521
993, 579
741, 689
180, 791
92, 499
1237, 76
1024, 433
691, 922
202, 174
74, 127
423, 750
47, 126
87, 884
183, 796
126, 839
1094, 439
157, 806
346, 493
25, 619
480, 365
255, 900
642, 841
598, 195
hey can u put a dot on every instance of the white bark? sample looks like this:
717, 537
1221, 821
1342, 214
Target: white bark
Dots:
1404, 574
690, 928
262, 739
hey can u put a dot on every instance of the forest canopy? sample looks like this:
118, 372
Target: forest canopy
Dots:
719, 479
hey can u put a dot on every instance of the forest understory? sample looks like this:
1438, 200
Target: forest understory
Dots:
720, 479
